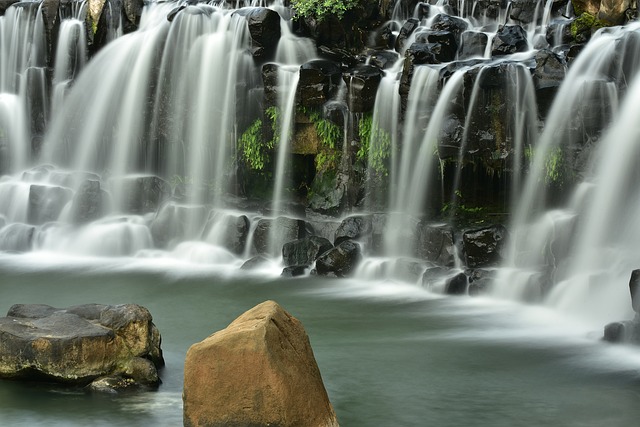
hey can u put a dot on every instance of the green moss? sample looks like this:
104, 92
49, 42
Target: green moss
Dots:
585, 24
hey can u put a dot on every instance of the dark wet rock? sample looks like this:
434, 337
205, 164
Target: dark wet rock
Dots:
294, 271
456, 285
304, 252
264, 28
486, 8
37, 102
227, 230
547, 78
341, 57
255, 262
472, 44
443, 44
451, 24
262, 361
46, 203
362, 86
141, 194
634, 289
550, 69
407, 29
435, 243
132, 13
383, 59
286, 230
319, 79
270, 84
17, 237
508, 40
323, 226
484, 246
341, 261
81, 344
559, 33
421, 53
353, 228
5, 4
627, 331
526, 11
329, 193
417, 54
89, 202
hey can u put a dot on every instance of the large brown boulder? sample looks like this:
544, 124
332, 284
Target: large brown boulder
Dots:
77, 345
259, 371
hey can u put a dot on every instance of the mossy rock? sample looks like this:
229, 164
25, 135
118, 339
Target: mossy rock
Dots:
583, 26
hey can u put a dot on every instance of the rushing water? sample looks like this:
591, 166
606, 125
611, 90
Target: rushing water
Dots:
389, 354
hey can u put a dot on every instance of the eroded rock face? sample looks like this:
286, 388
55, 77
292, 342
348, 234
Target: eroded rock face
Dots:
81, 344
259, 371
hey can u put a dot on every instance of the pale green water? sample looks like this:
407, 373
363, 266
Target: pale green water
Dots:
390, 354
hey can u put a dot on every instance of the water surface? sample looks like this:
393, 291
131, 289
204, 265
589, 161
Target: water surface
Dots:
390, 354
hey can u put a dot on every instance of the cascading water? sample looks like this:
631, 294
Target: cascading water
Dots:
151, 166
581, 253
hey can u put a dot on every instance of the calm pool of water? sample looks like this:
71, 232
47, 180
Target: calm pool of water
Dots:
390, 354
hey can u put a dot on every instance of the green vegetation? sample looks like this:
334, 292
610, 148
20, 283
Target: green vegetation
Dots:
330, 136
321, 9
554, 167
461, 213
375, 146
584, 25
254, 150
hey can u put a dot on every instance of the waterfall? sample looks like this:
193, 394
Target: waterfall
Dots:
578, 257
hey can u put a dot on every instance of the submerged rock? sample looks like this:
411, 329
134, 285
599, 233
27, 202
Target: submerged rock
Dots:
294, 271
259, 371
115, 345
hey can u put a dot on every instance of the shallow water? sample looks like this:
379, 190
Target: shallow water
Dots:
390, 354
